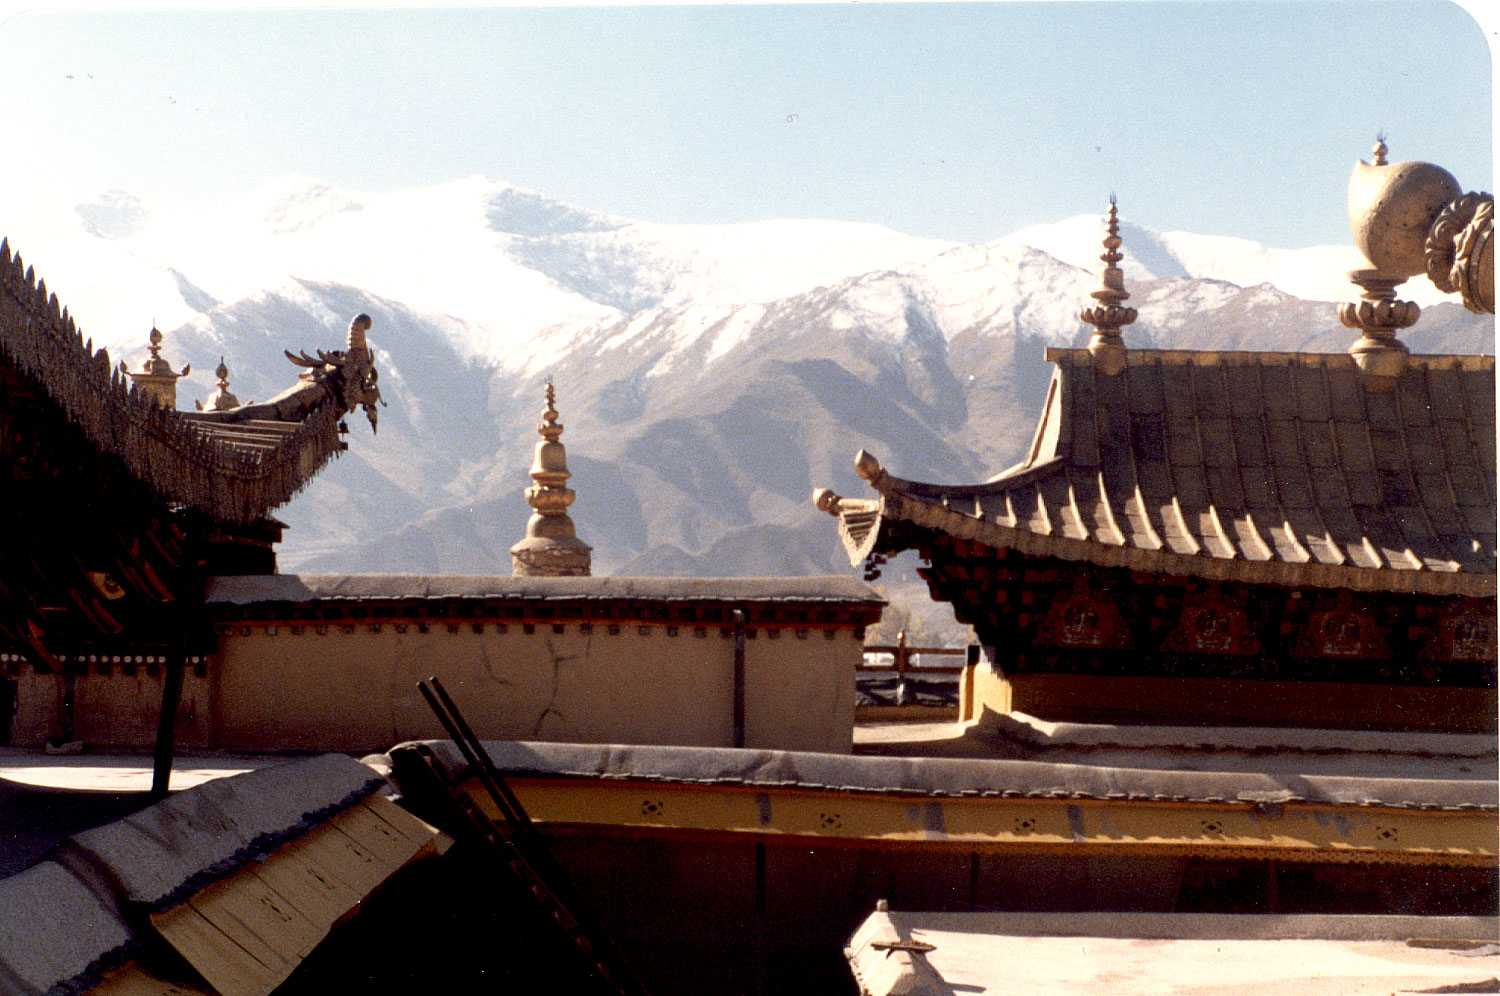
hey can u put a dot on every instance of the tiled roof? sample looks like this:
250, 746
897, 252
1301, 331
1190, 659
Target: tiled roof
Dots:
1280, 468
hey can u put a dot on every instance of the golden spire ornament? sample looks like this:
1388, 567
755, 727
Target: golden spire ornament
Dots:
221, 400
551, 548
1110, 314
156, 381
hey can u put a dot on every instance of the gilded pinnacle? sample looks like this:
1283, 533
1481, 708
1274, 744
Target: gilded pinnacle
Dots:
1110, 314
550, 547
156, 381
551, 428
221, 400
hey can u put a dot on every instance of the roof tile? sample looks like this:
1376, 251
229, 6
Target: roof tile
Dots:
1145, 387
1317, 445
1210, 400
1289, 465
1183, 447
1354, 446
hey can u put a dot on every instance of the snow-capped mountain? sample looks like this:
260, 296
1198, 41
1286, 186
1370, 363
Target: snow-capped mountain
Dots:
1316, 273
709, 377
508, 263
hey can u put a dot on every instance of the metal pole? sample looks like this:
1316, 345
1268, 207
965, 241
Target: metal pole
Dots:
739, 677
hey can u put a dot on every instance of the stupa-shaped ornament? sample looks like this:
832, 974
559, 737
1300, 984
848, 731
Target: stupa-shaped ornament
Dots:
551, 547
221, 400
156, 381
1110, 314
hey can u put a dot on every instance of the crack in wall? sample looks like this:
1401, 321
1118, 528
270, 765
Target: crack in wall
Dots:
557, 660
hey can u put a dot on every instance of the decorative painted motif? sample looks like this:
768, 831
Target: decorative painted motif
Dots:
1339, 628
1209, 625
1464, 635
1082, 618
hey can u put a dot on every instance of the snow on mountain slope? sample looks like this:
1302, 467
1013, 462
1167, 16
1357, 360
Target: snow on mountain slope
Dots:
1316, 273
508, 262
432, 249
756, 261
709, 376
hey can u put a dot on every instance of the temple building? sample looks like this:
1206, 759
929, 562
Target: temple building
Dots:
116, 586
1237, 683
1231, 538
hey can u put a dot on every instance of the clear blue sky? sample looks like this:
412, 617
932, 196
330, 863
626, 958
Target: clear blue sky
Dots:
961, 121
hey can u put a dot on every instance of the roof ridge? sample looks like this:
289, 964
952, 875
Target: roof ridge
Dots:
183, 460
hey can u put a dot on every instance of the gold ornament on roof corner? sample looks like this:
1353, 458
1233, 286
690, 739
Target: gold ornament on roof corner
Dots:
1110, 315
1411, 219
551, 547
156, 382
348, 374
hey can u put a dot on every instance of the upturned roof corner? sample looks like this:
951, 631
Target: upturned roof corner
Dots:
234, 465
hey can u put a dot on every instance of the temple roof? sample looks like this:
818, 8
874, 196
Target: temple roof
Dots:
117, 506
1273, 468
232, 470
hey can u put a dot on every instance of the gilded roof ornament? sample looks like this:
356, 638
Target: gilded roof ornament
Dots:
1411, 219
1110, 314
551, 547
156, 381
221, 400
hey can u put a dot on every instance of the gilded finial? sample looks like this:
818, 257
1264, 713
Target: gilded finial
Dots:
550, 547
221, 400
1393, 208
1110, 314
550, 428
156, 381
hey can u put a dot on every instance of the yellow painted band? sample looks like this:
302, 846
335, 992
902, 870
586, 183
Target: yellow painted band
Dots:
1293, 831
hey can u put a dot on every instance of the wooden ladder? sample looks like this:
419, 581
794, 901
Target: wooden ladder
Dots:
515, 840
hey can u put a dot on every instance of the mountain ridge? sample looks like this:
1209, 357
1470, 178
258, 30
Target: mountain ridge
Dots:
708, 376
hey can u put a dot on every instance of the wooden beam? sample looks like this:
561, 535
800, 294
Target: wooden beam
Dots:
171, 699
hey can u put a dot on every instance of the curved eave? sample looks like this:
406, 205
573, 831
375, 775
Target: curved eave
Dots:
231, 472
870, 536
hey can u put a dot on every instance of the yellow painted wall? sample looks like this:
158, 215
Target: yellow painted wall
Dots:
109, 710
353, 687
